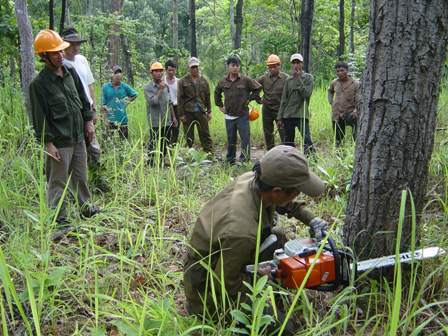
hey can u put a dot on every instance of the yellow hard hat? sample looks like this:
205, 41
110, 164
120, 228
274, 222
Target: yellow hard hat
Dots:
273, 59
253, 114
48, 40
156, 66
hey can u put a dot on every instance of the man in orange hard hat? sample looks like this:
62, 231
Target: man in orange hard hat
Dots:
272, 83
61, 115
160, 113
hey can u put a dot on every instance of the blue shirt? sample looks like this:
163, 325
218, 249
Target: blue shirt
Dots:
114, 99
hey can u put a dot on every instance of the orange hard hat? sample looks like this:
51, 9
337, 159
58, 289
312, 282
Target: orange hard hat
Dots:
253, 114
156, 66
273, 59
48, 40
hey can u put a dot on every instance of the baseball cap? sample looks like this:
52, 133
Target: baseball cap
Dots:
116, 68
193, 61
285, 167
72, 35
297, 56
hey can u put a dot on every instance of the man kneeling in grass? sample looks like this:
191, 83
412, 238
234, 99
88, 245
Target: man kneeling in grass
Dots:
225, 235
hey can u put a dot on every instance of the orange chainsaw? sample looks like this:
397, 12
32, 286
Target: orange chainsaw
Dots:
330, 269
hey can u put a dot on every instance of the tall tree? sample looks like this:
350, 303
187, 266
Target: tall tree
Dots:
63, 14
232, 20
352, 27
127, 59
114, 37
51, 14
175, 26
193, 48
26, 48
341, 47
238, 24
306, 25
406, 53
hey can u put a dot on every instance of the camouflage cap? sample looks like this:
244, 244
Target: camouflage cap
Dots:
285, 167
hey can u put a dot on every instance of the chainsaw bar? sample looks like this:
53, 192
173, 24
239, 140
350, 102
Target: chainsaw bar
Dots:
405, 257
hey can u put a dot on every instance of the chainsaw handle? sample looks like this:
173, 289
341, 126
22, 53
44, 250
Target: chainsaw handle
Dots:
337, 262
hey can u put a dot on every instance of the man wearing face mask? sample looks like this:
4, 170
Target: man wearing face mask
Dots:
294, 111
62, 119
225, 234
116, 97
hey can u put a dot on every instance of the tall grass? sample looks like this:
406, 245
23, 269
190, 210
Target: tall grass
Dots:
122, 270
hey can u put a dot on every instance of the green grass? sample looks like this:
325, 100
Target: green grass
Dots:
122, 270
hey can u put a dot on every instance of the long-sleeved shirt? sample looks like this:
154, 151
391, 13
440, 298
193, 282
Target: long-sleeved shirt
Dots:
113, 98
272, 89
347, 97
158, 106
296, 92
59, 107
237, 94
193, 95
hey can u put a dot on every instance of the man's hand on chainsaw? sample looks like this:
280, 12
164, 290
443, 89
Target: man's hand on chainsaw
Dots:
318, 228
266, 270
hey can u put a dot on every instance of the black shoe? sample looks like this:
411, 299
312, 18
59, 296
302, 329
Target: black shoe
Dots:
88, 211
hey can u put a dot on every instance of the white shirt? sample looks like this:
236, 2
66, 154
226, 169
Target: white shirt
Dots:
82, 68
172, 88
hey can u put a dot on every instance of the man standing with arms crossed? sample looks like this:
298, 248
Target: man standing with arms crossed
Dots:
62, 117
272, 83
194, 106
238, 91
294, 110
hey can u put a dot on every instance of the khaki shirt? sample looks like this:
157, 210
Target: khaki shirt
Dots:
227, 230
59, 107
190, 93
272, 89
237, 94
296, 92
346, 99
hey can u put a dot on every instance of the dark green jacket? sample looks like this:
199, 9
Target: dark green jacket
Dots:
59, 107
295, 97
226, 230
272, 89
190, 93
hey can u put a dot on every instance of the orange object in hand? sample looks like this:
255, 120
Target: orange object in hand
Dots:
253, 114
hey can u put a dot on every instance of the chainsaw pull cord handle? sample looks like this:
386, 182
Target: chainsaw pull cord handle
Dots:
337, 261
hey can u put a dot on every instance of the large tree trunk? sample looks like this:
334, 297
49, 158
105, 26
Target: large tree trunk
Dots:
63, 14
352, 27
407, 49
51, 14
341, 48
114, 37
127, 59
238, 24
193, 48
306, 24
26, 49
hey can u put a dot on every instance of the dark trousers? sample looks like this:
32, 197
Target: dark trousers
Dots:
339, 129
303, 125
200, 120
159, 138
121, 130
240, 125
269, 119
174, 137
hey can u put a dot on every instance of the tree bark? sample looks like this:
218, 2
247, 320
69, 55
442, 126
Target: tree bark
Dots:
127, 59
232, 20
352, 27
341, 48
193, 48
407, 49
175, 26
238, 24
63, 13
26, 49
114, 37
51, 14
306, 24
